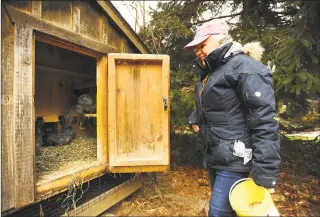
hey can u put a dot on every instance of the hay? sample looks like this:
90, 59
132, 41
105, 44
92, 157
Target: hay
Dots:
56, 161
177, 194
74, 194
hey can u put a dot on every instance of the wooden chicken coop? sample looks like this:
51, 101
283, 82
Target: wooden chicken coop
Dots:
83, 102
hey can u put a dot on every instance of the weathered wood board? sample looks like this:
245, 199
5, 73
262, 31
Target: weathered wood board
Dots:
86, 19
23, 116
138, 121
7, 124
92, 28
58, 13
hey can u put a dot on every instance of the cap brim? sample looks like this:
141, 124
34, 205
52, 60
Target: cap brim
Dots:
189, 47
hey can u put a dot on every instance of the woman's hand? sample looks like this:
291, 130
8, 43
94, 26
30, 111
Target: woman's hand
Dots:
195, 128
271, 190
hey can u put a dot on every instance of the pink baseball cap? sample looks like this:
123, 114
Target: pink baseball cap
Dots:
213, 27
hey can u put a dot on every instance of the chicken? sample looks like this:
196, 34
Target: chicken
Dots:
64, 137
85, 100
67, 132
85, 104
39, 133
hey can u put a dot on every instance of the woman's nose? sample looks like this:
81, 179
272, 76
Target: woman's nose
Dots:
197, 52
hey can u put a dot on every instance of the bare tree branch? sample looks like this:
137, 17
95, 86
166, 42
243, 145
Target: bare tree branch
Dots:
218, 11
203, 21
282, 13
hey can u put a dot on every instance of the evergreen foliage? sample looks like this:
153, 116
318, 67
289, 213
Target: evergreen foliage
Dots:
289, 31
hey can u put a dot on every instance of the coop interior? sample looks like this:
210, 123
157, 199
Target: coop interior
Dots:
65, 112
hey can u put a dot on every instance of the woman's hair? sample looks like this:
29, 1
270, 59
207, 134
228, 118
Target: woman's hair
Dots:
224, 38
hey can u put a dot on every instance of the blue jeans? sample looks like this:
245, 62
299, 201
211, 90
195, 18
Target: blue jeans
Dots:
221, 181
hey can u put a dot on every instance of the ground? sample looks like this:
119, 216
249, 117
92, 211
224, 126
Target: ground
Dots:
185, 191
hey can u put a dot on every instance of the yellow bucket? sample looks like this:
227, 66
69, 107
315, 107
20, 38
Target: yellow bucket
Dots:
249, 199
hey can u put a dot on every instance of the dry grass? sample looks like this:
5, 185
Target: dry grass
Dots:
74, 193
55, 161
180, 192
185, 191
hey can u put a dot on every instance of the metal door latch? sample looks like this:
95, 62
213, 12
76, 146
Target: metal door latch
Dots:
165, 102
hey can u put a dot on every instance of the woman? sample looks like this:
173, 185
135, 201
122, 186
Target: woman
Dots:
235, 110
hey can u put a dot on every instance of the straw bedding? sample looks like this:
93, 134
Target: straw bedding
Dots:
56, 161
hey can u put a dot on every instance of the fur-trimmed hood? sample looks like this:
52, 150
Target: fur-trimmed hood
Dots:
253, 49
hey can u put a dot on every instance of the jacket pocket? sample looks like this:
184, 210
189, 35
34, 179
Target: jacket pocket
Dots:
222, 154
215, 135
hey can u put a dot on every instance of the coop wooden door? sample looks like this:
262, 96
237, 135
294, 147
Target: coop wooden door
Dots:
138, 112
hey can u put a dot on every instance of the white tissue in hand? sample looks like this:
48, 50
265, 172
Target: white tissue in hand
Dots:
240, 150
247, 156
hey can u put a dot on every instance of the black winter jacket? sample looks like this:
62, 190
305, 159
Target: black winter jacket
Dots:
237, 103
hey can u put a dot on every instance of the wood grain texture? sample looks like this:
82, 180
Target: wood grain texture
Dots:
128, 47
123, 26
114, 37
89, 34
7, 124
76, 13
166, 113
58, 185
37, 8
102, 105
136, 126
25, 6
104, 23
23, 117
58, 13
111, 109
65, 38
97, 20
139, 169
89, 16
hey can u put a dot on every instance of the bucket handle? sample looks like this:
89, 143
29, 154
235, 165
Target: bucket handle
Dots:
237, 182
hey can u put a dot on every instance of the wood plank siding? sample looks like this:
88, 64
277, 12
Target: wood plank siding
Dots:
93, 28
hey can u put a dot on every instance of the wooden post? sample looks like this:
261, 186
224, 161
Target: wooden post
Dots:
102, 106
23, 116
7, 137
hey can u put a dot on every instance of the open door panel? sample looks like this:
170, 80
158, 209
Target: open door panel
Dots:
138, 112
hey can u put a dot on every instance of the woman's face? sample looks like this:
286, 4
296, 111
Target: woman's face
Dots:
206, 47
